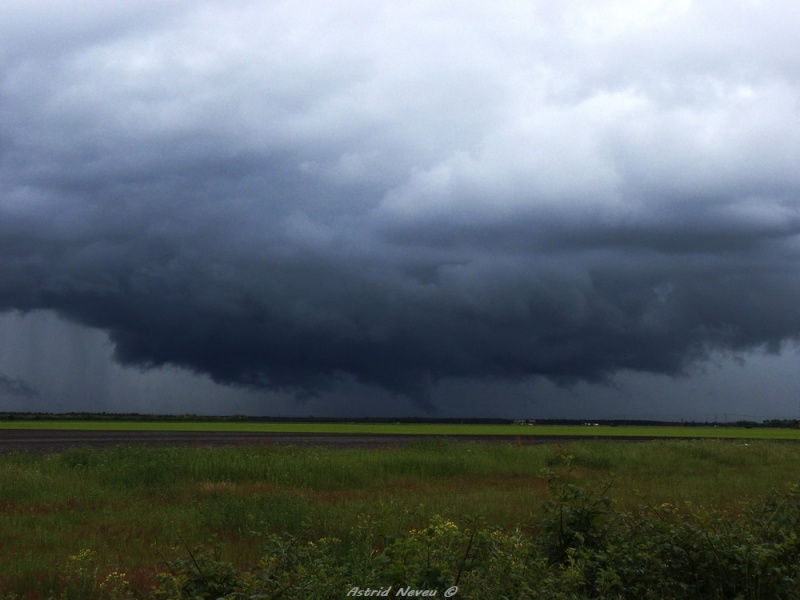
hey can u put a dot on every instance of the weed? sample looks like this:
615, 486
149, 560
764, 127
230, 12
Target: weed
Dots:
539, 533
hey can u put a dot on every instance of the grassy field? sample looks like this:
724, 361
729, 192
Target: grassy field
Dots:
600, 431
130, 509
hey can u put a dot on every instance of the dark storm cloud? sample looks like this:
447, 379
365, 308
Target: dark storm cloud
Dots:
290, 196
17, 387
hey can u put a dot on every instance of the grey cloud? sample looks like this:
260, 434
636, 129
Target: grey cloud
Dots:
289, 197
17, 387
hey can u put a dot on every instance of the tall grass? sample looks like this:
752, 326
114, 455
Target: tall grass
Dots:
132, 506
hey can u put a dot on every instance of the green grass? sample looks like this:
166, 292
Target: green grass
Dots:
600, 431
131, 506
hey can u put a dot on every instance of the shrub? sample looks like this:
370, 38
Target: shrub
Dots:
575, 516
201, 575
585, 549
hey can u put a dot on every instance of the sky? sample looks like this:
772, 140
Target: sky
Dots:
582, 209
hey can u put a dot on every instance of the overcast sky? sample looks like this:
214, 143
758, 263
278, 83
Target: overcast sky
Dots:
387, 208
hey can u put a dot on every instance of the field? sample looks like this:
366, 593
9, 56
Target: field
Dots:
88, 523
524, 431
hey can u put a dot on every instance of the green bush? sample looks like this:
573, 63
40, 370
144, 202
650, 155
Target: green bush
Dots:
584, 548
575, 517
672, 551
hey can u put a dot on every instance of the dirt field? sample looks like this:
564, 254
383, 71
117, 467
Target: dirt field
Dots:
57, 440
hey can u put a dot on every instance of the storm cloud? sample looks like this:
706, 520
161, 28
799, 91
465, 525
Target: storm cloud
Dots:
294, 194
17, 387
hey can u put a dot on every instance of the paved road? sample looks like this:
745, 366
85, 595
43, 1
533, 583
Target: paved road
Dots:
37, 440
